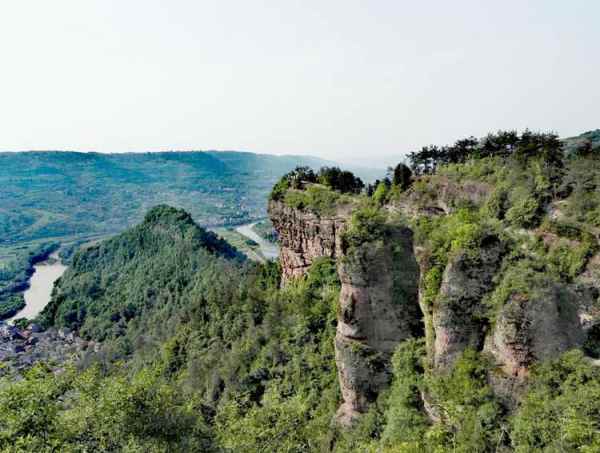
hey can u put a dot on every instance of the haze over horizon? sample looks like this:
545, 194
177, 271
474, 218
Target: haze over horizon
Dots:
347, 81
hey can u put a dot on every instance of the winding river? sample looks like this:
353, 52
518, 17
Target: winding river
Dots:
268, 249
47, 272
40, 286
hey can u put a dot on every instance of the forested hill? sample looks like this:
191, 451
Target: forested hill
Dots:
452, 306
148, 267
190, 348
66, 195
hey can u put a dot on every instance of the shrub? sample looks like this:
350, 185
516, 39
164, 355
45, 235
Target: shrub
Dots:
402, 177
560, 412
523, 211
470, 412
405, 419
340, 180
366, 224
381, 192
316, 198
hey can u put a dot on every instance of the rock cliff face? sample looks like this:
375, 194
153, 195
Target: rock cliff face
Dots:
382, 303
304, 236
378, 305
456, 314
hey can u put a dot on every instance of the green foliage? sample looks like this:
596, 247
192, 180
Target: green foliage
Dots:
406, 422
333, 178
380, 194
524, 210
567, 260
341, 180
471, 414
317, 198
366, 224
497, 204
561, 410
279, 189
320, 192
580, 186
402, 176
11, 304
521, 280
461, 232
216, 356
504, 144
153, 264
91, 412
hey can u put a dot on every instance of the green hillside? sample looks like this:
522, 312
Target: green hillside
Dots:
191, 348
69, 195
200, 351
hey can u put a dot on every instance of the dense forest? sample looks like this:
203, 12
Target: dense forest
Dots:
199, 349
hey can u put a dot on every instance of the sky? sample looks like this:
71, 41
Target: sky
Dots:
359, 82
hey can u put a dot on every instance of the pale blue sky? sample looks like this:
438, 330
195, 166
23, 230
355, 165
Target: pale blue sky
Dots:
350, 80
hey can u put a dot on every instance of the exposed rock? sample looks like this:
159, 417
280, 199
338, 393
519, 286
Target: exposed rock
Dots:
20, 349
456, 319
378, 300
378, 310
441, 196
529, 330
304, 236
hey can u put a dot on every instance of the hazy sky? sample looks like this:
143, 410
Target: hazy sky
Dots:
360, 81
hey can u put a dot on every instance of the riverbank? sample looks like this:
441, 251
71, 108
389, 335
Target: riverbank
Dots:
16, 269
268, 249
41, 283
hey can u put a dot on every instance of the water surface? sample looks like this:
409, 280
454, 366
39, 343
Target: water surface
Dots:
268, 249
40, 286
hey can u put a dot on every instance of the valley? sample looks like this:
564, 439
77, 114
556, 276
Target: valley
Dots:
452, 303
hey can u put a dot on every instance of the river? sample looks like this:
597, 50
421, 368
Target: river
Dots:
47, 272
40, 287
268, 249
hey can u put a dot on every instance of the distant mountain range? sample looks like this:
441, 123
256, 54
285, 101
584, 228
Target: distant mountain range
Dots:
68, 195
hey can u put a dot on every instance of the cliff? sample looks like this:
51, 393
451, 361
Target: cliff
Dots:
454, 286
378, 305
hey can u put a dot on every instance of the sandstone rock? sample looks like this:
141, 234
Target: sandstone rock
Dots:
378, 305
456, 319
530, 330
304, 236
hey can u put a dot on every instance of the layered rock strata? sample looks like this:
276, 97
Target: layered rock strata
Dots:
378, 306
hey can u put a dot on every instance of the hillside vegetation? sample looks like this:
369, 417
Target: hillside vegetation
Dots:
73, 198
198, 349
71, 194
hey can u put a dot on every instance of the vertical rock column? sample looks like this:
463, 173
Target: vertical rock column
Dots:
378, 305
378, 309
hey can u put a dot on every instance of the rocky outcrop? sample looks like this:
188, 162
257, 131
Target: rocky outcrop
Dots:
378, 309
22, 348
528, 330
456, 314
378, 306
383, 301
304, 236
